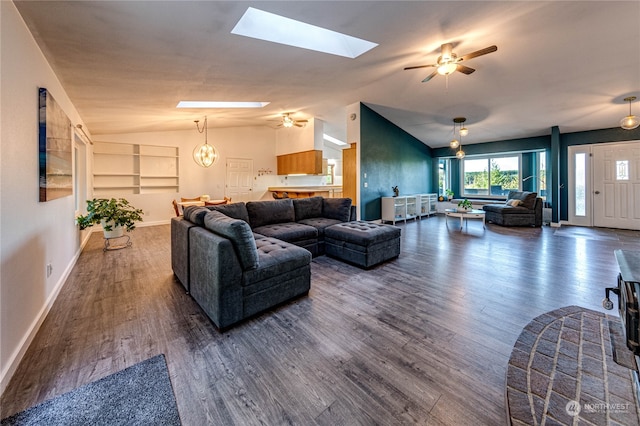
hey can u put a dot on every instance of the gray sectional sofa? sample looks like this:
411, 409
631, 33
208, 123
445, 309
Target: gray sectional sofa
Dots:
522, 208
237, 260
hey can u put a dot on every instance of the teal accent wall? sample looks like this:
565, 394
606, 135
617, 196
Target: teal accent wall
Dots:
390, 157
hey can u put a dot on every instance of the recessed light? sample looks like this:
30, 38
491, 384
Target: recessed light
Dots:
220, 104
267, 26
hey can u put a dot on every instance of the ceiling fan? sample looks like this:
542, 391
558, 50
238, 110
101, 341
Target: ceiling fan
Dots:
448, 61
287, 121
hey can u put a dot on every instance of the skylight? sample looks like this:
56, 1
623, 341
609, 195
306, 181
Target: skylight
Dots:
220, 104
267, 26
333, 140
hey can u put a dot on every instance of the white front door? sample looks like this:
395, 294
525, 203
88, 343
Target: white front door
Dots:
239, 179
616, 185
580, 210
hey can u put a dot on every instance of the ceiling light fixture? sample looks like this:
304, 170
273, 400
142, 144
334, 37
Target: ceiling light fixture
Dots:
630, 122
287, 121
204, 155
463, 131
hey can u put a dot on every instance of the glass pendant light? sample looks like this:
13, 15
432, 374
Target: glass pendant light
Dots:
630, 122
204, 155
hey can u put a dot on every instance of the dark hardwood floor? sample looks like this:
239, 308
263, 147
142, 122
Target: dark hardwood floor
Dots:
421, 339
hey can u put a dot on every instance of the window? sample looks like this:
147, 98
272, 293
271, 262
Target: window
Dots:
622, 170
444, 181
580, 184
491, 176
541, 184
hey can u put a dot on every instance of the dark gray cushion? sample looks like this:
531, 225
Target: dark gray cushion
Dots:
508, 210
528, 198
239, 232
336, 208
267, 212
320, 223
306, 208
234, 210
288, 231
195, 214
362, 233
276, 259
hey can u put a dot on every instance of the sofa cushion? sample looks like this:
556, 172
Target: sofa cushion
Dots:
528, 198
267, 212
320, 223
234, 210
506, 210
306, 208
513, 203
195, 214
289, 231
336, 208
239, 232
276, 258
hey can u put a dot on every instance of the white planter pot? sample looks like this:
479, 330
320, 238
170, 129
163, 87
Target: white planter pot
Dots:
462, 210
116, 231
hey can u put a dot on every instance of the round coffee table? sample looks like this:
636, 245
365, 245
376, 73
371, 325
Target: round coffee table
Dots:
469, 214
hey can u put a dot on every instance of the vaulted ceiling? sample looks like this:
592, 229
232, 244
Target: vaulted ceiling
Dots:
126, 64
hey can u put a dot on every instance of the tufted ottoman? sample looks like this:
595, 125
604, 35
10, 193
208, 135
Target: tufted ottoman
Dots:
362, 243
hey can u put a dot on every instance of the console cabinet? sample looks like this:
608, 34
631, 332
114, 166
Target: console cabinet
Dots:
402, 208
121, 168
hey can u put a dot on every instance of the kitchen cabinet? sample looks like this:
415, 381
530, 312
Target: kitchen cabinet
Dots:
306, 162
349, 173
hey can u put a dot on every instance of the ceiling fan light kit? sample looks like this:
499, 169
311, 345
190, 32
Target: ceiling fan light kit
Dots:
289, 122
630, 122
204, 155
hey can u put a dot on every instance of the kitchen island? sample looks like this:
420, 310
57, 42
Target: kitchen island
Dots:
327, 191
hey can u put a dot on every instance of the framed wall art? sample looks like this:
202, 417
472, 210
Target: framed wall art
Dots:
54, 148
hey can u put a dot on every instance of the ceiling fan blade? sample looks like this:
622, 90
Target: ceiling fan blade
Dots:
478, 53
420, 66
430, 76
464, 69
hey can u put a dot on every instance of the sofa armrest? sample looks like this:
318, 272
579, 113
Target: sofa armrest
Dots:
215, 277
538, 211
180, 249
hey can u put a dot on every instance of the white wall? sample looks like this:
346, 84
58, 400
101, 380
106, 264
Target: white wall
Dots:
255, 143
32, 233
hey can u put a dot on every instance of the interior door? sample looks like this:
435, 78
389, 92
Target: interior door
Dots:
239, 179
616, 185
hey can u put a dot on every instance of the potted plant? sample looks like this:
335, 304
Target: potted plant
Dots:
465, 205
114, 216
449, 194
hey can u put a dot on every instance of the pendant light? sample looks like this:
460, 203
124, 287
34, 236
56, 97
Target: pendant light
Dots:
463, 131
204, 155
630, 122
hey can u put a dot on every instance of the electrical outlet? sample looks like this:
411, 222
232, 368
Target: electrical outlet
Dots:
366, 184
49, 269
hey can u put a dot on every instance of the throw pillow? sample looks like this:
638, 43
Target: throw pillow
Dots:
240, 234
514, 203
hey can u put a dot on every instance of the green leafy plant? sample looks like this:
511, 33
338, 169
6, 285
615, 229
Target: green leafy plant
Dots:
465, 204
449, 193
114, 212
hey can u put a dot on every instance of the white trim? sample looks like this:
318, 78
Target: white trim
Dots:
18, 353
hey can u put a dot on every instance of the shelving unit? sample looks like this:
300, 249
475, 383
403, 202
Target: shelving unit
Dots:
427, 204
403, 208
122, 168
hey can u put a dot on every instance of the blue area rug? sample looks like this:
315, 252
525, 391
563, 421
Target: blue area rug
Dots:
138, 395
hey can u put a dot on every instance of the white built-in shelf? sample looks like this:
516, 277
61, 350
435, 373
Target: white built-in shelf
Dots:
135, 169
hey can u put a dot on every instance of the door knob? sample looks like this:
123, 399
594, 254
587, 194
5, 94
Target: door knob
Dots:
597, 192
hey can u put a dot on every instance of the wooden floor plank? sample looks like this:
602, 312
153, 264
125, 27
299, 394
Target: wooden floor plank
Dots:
424, 338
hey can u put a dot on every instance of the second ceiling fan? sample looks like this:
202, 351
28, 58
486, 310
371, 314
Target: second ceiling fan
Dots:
448, 62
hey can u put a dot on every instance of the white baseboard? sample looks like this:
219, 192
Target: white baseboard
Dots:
18, 354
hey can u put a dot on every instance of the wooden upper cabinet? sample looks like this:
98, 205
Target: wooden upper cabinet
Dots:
349, 174
306, 162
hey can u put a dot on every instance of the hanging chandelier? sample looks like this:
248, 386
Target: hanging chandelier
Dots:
462, 131
630, 122
204, 155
